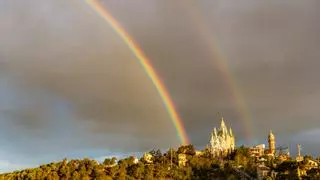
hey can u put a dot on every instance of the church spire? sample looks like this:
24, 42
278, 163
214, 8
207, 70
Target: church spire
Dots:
230, 131
223, 125
271, 135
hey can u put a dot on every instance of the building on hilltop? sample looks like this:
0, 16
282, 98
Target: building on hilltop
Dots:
182, 160
147, 157
222, 141
281, 152
271, 151
299, 158
272, 143
262, 170
257, 151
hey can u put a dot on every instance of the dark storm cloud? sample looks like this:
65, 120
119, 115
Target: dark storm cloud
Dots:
63, 49
69, 53
278, 43
271, 48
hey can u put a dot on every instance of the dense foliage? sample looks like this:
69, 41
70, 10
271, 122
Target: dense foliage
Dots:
163, 166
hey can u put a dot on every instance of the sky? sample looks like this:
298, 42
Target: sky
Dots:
70, 87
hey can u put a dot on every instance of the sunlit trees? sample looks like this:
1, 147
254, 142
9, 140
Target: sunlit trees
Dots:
110, 161
187, 149
164, 166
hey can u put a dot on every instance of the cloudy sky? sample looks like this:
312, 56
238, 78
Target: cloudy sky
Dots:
70, 87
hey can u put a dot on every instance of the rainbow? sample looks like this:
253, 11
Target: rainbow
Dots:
147, 66
221, 62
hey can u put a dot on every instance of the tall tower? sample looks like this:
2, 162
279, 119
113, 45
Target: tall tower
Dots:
299, 157
272, 143
223, 126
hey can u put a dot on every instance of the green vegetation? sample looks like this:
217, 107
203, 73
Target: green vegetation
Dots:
166, 166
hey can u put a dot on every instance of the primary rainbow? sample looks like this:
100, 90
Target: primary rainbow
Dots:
147, 66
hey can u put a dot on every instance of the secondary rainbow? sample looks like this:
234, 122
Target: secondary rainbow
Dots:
221, 62
147, 66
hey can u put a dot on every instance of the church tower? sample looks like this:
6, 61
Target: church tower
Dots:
222, 141
272, 143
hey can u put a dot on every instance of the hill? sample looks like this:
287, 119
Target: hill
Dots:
183, 163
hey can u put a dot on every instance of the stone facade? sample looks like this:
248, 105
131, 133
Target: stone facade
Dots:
222, 141
182, 160
272, 143
147, 157
257, 151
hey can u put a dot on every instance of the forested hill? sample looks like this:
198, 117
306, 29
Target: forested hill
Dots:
183, 163
160, 166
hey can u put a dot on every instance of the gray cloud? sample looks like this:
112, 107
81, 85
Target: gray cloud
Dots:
89, 91
67, 53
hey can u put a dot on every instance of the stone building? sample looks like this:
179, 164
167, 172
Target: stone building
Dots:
182, 160
222, 141
147, 157
257, 151
272, 145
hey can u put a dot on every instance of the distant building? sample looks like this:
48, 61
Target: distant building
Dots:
257, 151
135, 160
182, 160
222, 141
272, 144
283, 157
199, 153
262, 170
147, 157
311, 164
299, 157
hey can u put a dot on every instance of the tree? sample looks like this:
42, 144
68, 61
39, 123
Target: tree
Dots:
110, 162
75, 175
314, 173
187, 149
52, 176
287, 169
156, 156
83, 172
136, 171
122, 171
63, 171
98, 172
148, 171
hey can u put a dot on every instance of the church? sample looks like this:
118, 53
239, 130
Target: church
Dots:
222, 140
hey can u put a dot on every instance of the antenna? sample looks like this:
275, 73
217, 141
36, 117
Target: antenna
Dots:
299, 149
170, 159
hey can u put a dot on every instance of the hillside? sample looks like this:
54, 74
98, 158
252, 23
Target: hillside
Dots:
183, 163
158, 166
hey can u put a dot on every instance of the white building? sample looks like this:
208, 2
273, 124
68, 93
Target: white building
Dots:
222, 141
257, 151
147, 158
